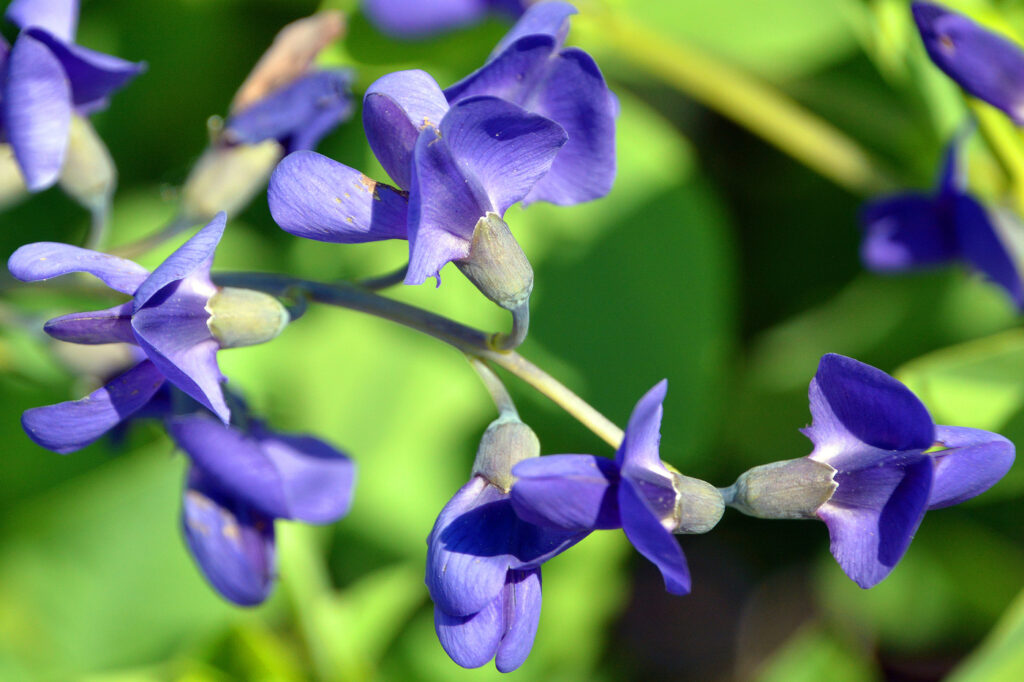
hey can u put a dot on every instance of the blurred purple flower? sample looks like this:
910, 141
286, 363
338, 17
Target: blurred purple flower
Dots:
167, 318
874, 433
634, 492
417, 19
483, 573
44, 79
985, 64
914, 230
239, 483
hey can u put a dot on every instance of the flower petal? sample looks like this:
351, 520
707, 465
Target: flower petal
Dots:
974, 461
873, 515
396, 108
69, 426
639, 449
512, 75
36, 102
572, 492
907, 231
112, 325
414, 19
43, 260
853, 405
985, 64
194, 255
522, 600
59, 17
651, 539
982, 248
471, 640
93, 76
314, 197
544, 18
232, 543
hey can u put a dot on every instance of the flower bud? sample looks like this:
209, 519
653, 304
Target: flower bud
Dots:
497, 265
244, 317
227, 178
506, 442
88, 175
792, 489
12, 184
699, 505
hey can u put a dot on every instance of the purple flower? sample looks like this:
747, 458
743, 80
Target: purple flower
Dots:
530, 67
455, 164
415, 19
45, 79
877, 437
239, 483
635, 492
915, 230
483, 573
167, 318
985, 64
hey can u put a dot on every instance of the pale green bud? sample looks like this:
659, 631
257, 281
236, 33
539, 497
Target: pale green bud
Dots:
792, 489
12, 184
227, 178
506, 442
88, 175
244, 317
699, 505
497, 265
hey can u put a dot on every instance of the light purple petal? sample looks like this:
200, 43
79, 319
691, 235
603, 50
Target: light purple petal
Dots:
396, 108
232, 543
93, 76
415, 18
521, 601
907, 231
36, 103
314, 197
982, 248
639, 449
472, 640
985, 64
974, 461
101, 326
855, 405
545, 18
59, 17
652, 540
194, 257
43, 260
873, 515
513, 75
572, 492
66, 427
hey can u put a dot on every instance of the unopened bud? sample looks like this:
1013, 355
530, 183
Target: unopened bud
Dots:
506, 442
226, 178
244, 317
89, 175
497, 265
12, 184
699, 505
793, 489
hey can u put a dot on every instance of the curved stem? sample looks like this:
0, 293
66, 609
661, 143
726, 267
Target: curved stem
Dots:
384, 281
494, 386
520, 328
99, 226
176, 226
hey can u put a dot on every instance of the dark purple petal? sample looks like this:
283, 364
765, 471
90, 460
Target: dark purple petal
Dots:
232, 543
43, 260
101, 326
93, 76
298, 115
59, 17
396, 108
471, 640
907, 231
982, 248
873, 515
66, 427
414, 18
985, 64
572, 492
853, 405
314, 197
651, 539
521, 601
36, 103
544, 18
974, 461
639, 449
194, 257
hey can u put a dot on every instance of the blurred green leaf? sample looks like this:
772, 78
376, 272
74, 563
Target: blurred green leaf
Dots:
1000, 658
814, 654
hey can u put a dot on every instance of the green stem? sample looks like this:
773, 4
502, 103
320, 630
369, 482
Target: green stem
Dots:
747, 100
520, 328
499, 394
99, 226
385, 281
176, 226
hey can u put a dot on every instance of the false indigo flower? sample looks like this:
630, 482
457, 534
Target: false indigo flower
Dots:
635, 492
530, 67
45, 79
879, 462
415, 19
167, 318
916, 230
456, 165
239, 483
985, 64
